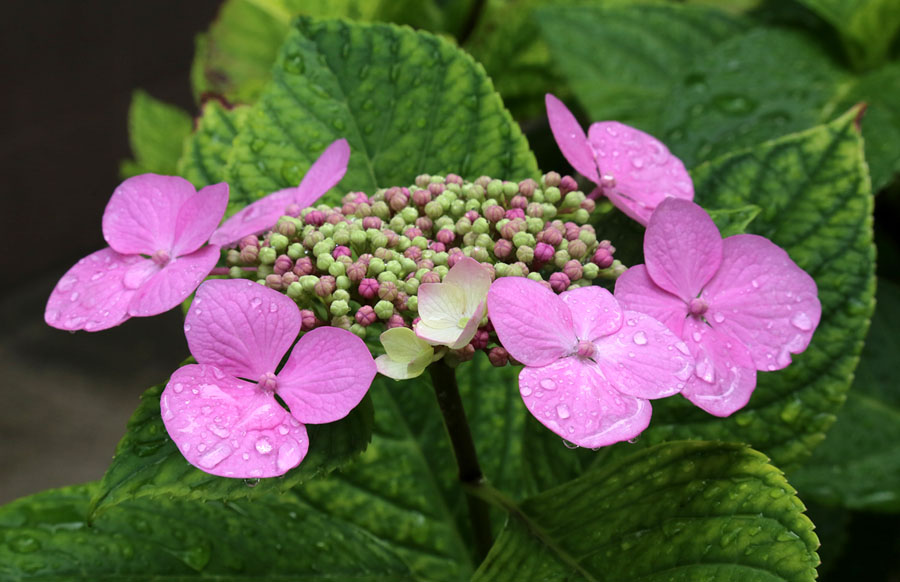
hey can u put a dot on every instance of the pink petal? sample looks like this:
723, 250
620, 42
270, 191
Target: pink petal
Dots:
644, 358
646, 173
327, 374
574, 401
174, 283
228, 427
595, 312
682, 248
241, 327
636, 291
532, 322
724, 374
92, 295
761, 297
262, 215
198, 218
253, 218
570, 138
324, 174
142, 213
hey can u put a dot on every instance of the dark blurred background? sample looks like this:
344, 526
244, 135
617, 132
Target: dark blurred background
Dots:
68, 70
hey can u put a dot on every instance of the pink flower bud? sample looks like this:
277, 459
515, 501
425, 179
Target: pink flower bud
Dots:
395, 320
414, 253
424, 223
356, 271
543, 252
368, 288
390, 193
455, 256
602, 258
498, 356
341, 251
436, 188
359, 197
534, 210
288, 278
325, 286
283, 264
551, 236
363, 209
286, 228
293, 210
366, 316
249, 254
315, 218
393, 239
573, 270
465, 353
491, 271
335, 218
503, 249
513, 213
422, 180
480, 340
552, 179
572, 231
510, 229
303, 266
494, 212
589, 205
577, 249
453, 179
424, 264
412, 232
421, 197
522, 266
401, 301
519, 201
307, 320
527, 187
371, 222
398, 202
567, 184
430, 277
365, 258
559, 282
472, 215
248, 241
446, 236
437, 247
348, 208
384, 254
273, 281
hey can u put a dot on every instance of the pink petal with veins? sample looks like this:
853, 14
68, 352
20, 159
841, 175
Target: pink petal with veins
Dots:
573, 400
636, 291
241, 327
644, 358
92, 295
198, 218
533, 323
228, 427
142, 213
167, 287
682, 248
646, 173
761, 297
324, 174
326, 376
724, 375
595, 312
570, 138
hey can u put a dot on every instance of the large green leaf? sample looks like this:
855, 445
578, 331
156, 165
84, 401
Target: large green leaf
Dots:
156, 131
407, 102
206, 150
628, 56
858, 465
753, 87
813, 188
46, 537
867, 27
675, 512
148, 464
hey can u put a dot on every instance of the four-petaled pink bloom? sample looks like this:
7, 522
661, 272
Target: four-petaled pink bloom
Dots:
262, 215
156, 228
222, 412
633, 169
741, 304
590, 366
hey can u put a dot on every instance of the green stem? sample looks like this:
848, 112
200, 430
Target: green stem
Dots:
443, 378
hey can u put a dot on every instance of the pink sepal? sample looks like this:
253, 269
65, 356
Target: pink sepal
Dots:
166, 288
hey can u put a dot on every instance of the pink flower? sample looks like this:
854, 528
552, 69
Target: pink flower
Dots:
741, 304
262, 215
590, 366
222, 412
156, 228
633, 169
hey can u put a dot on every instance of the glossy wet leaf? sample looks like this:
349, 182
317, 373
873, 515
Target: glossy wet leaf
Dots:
677, 511
629, 55
148, 464
46, 537
867, 27
206, 150
156, 131
858, 465
407, 102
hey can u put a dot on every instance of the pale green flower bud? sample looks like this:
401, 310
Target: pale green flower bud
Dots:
440, 259
267, 255
324, 247
560, 258
295, 290
342, 236
463, 225
341, 295
590, 271
501, 269
336, 269
295, 251
534, 225
324, 262
308, 282
473, 204
573, 199
358, 330
409, 215
384, 309
420, 241
407, 265
376, 266
481, 226
538, 196
581, 216
404, 243
381, 210
484, 240
535, 276
394, 267
412, 303
495, 189
525, 253
279, 242
387, 276
236, 273
411, 286
441, 270
434, 209
327, 230
587, 237
552, 195
521, 239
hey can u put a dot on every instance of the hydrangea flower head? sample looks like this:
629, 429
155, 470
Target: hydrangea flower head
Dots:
741, 304
156, 228
407, 356
590, 366
451, 310
633, 169
254, 218
222, 412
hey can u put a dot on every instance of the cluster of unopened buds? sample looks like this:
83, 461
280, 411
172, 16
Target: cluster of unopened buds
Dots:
442, 268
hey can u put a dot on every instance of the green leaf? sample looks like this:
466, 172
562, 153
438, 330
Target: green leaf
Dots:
881, 122
867, 27
751, 88
46, 537
678, 511
156, 131
148, 464
816, 203
206, 149
407, 102
858, 465
731, 221
631, 54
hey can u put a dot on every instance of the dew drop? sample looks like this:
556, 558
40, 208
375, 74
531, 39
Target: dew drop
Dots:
215, 456
273, 308
219, 431
187, 327
525, 390
705, 371
263, 446
255, 302
563, 411
801, 321
548, 384
74, 296
283, 430
755, 283
640, 338
696, 336
718, 317
288, 457
178, 388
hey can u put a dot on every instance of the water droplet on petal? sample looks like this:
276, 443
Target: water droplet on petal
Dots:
178, 388
548, 384
696, 336
288, 457
255, 302
215, 456
525, 390
640, 338
563, 411
718, 317
187, 327
219, 431
705, 371
801, 321
273, 308
263, 446
74, 296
